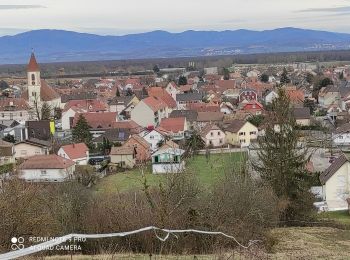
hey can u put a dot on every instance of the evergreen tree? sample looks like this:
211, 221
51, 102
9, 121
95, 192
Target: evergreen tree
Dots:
284, 77
45, 111
9, 138
156, 69
341, 75
117, 94
182, 80
226, 74
81, 133
282, 163
264, 78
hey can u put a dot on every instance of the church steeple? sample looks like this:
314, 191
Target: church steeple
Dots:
34, 80
33, 65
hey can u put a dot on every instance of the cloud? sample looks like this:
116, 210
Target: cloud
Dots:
343, 9
16, 7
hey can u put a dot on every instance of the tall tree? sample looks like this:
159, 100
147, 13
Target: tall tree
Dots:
264, 78
117, 93
284, 77
182, 80
45, 111
156, 69
226, 73
81, 133
194, 143
282, 162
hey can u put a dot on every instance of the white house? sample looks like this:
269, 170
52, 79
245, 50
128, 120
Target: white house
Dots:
270, 96
168, 161
172, 90
153, 137
46, 168
213, 136
31, 147
79, 153
336, 184
149, 112
341, 135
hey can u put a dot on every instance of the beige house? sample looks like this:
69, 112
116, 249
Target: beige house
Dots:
7, 153
336, 183
302, 116
241, 133
123, 157
213, 136
31, 147
149, 112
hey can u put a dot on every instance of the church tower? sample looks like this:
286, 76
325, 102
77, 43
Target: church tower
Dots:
34, 81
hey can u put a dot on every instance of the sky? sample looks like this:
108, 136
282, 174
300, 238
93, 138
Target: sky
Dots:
119, 17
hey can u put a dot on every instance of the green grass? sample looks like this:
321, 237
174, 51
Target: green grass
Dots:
342, 217
207, 171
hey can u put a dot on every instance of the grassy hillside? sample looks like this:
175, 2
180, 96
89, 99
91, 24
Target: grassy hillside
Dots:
207, 172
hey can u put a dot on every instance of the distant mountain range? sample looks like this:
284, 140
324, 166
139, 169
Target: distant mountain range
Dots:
58, 45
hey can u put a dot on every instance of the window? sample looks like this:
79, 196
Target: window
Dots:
219, 133
2, 114
252, 133
220, 141
43, 172
242, 133
151, 137
20, 114
211, 134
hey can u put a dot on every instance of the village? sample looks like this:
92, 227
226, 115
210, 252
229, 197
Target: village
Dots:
117, 124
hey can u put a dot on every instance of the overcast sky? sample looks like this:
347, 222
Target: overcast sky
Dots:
117, 17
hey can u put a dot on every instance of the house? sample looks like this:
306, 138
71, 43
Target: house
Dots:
31, 147
328, 95
341, 136
252, 107
149, 112
176, 127
169, 144
78, 153
123, 157
336, 183
143, 148
161, 94
154, 137
241, 133
302, 116
270, 96
119, 104
205, 118
7, 153
40, 129
183, 100
213, 136
15, 109
98, 121
172, 90
190, 115
46, 168
168, 160
113, 136
248, 94
74, 107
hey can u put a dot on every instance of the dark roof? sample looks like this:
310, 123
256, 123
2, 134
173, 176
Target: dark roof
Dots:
235, 126
79, 96
189, 96
345, 128
36, 142
113, 135
121, 100
301, 113
210, 116
191, 115
333, 168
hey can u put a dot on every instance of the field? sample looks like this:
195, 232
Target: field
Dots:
207, 172
341, 217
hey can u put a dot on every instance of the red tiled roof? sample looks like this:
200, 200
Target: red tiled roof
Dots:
204, 107
13, 104
33, 65
88, 105
175, 124
154, 103
47, 93
103, 120
51, 161
129, 125
160, 93
75, 151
